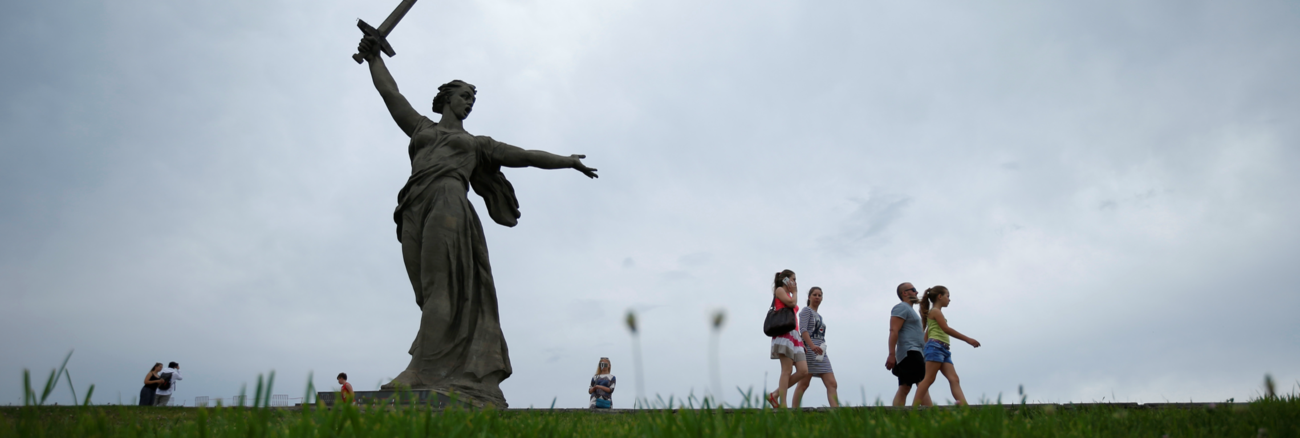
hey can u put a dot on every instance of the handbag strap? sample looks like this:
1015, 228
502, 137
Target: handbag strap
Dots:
774, 304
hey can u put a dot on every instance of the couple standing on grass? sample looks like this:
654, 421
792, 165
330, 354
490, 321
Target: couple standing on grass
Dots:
159, 384
923, 346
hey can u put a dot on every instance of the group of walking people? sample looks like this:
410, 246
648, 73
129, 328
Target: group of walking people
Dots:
919, 345
159, 384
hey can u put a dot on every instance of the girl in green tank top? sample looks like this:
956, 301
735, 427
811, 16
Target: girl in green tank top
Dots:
938, 358
933, 331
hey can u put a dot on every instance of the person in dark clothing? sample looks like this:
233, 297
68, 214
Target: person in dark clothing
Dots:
151, 382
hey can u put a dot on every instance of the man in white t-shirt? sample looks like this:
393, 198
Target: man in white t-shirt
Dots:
170, 376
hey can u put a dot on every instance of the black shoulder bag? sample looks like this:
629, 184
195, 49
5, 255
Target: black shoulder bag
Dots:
778, 322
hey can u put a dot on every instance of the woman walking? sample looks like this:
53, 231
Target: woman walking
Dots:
938, 357
602, 386
788, 348
813, 332
151, 382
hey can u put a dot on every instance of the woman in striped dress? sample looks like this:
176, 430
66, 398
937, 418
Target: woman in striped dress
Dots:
814, 336
788, 348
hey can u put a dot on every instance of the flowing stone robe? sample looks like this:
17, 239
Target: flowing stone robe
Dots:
460, 346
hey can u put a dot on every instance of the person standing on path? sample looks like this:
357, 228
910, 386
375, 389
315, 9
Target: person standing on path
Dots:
151, 382
814, 338
170, 376
906, 341
602, 386
346, 394
788, 348
938, 357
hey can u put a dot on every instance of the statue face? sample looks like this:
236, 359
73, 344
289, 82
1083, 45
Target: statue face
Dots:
461, 102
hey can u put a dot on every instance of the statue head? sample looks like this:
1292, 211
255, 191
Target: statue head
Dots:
456, 96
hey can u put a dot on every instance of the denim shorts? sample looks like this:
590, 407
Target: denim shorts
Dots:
935, 351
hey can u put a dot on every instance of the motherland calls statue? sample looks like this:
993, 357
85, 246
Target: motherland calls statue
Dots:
460, 346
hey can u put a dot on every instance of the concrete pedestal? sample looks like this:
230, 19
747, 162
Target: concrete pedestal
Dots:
387, 397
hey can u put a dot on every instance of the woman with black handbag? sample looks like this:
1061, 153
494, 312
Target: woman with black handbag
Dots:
787, 345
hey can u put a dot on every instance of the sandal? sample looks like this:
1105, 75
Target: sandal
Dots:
771, 399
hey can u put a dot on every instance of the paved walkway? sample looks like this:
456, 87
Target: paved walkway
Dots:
1046, 406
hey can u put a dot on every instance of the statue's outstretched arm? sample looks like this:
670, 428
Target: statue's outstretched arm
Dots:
511, 156
401, 110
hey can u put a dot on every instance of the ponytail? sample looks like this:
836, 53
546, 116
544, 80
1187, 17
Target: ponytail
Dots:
782, 278
925, 309
931, 295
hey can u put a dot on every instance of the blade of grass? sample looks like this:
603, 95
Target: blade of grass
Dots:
270, 380
68, 374
311, 391
89, 391
257, 394
54, 379
49, 387
29, 394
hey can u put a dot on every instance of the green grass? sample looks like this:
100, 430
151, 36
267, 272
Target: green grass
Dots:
1269, 416
1276, 417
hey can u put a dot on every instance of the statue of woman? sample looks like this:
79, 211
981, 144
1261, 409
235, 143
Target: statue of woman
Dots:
459, 346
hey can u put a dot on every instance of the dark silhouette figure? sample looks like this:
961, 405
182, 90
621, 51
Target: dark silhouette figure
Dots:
459, 345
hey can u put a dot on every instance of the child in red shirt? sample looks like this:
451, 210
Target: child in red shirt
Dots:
346, 393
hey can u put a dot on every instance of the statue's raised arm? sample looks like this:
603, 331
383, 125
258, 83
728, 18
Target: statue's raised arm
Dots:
401, 110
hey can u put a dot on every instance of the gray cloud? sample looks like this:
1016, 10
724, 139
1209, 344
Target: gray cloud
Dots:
865, 225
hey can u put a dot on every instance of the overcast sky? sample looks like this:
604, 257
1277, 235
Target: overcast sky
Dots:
1108, 189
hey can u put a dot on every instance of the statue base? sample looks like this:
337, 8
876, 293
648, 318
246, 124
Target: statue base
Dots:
422, 397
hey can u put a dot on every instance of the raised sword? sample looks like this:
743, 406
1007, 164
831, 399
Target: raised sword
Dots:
381, 33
